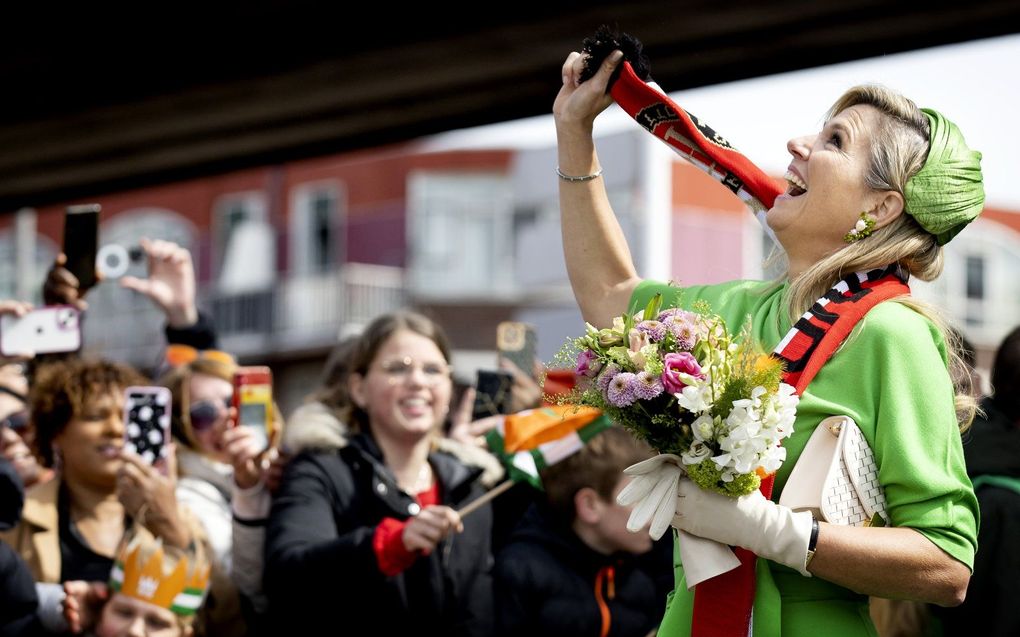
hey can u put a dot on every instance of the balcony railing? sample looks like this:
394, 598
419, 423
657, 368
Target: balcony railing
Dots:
309, 311
298, 313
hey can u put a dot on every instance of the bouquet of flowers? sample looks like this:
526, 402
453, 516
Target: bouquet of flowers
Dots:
712, 403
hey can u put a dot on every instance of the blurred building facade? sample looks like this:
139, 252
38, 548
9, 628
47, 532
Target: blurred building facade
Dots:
292, 257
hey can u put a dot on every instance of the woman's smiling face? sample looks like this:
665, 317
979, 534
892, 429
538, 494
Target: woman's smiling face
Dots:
827, 191
406, 389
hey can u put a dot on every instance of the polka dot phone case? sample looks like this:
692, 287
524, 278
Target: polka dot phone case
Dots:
147, 423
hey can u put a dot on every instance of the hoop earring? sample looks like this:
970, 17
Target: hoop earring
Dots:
863, 228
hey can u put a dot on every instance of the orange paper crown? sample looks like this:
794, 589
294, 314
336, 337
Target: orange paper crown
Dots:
143, 570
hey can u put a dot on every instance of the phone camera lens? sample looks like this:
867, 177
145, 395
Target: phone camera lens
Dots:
65, 318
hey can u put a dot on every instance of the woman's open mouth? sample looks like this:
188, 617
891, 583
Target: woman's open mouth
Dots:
797, 186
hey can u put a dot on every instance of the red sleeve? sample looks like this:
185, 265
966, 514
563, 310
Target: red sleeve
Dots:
391, 555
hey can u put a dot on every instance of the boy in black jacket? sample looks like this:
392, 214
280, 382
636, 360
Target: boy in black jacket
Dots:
571, 567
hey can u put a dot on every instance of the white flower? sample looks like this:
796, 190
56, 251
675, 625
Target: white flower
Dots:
703, 428
698, 452
773, 458
695, 399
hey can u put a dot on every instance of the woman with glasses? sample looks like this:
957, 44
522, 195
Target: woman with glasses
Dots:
16, 437
368, 536
221, 466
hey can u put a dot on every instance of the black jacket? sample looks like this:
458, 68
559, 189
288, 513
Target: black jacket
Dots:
321, 574
992, 448
18, 601
546, 584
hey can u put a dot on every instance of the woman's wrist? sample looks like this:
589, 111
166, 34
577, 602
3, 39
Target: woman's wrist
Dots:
812, 542
181, 315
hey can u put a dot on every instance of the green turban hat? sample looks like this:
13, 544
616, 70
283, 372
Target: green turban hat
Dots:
947, 193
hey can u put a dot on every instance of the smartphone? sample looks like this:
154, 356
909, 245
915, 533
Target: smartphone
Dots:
517, 343
45, 330
81, 241
147, 423
253, 398
492, 393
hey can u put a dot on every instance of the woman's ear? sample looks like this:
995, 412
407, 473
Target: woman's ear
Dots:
887, 209
356, 389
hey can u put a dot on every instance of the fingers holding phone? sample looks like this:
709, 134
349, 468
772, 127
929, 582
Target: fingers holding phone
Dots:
171, 281
525, 390
25, 332
61, 287
246, 451
15, 310
253, 402
148, 496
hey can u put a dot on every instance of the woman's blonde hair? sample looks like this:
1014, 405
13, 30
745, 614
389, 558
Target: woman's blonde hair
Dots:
178, 380
899, 149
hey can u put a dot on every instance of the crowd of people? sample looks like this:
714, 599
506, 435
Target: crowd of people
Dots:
351, 518
348, 518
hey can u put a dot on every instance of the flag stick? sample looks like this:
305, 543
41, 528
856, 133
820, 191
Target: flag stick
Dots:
485, 498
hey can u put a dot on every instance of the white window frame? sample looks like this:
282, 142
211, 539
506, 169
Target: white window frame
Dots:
473, 195
253, 201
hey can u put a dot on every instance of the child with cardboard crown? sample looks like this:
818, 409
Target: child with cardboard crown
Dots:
155, 590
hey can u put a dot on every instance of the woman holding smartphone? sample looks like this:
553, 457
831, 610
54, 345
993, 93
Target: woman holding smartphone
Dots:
368, 536
222, 477
72, 524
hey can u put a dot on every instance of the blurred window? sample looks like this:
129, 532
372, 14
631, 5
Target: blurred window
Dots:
316, 230
462, 232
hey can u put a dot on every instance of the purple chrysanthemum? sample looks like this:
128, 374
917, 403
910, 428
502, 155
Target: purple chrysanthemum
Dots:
647, 386
665, 314
683, 331
656, 331
621, 389
610, 371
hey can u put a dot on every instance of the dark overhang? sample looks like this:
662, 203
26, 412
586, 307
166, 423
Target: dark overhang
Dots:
94, 103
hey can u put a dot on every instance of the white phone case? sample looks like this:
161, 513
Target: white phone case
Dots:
44, 330
147, 422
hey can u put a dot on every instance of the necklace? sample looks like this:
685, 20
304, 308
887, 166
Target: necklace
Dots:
424, 479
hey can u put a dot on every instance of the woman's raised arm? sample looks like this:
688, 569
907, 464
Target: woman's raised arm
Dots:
599, 263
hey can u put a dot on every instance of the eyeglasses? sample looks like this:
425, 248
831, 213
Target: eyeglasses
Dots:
204, 413
18, 421
399, 370
177, 355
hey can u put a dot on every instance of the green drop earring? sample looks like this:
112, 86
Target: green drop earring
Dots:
864, 227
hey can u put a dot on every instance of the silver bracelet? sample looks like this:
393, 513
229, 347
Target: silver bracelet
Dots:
559, 173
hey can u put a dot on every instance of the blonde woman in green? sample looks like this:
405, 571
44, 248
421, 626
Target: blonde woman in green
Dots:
880, 189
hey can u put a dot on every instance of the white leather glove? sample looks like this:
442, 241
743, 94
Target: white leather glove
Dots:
653, 491
751, 521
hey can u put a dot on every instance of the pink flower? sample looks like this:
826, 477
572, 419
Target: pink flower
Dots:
587, 364
638, 339
676, 364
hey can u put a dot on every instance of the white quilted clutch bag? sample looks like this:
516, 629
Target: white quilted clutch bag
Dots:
836, 477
